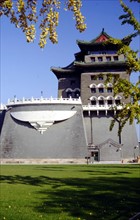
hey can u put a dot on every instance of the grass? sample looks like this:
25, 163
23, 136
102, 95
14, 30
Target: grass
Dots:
69, 192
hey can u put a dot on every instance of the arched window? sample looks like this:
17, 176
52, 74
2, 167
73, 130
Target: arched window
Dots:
110, 100
101, 100
76, 93
69, 92
109, 87
101, 87
93, 85
93, 88
93, 100
118, 100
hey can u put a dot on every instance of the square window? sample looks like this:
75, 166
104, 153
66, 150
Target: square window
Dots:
108, 58
115, 58
101, 78
93, 77
92, 59
100, 59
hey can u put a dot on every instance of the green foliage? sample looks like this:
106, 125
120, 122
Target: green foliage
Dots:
129, 17
133, 63
131, 110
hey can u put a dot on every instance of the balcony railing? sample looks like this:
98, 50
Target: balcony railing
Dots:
101, 107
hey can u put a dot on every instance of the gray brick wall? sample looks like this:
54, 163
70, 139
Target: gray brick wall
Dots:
65, 139
100, 133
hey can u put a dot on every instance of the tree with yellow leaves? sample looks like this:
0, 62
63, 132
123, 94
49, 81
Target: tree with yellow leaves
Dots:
23, 14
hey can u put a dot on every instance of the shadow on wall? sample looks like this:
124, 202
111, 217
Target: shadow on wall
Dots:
2, 115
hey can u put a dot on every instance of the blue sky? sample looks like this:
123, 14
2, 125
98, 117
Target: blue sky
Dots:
25, 68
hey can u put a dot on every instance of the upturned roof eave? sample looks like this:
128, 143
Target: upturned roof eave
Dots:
82, 43
83, 64
70, 68
59, 69
93, 41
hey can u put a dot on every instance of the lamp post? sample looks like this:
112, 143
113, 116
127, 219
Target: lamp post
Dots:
136, 147
121, 153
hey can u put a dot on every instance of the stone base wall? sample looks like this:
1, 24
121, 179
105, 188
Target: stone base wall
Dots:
62, 140
65, 141
43, 161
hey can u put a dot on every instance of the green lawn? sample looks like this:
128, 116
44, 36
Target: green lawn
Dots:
68, 192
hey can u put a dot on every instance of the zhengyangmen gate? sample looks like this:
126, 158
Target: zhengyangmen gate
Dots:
75, 125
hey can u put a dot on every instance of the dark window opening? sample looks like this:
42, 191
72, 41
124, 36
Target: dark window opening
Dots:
115, 58
93, 90
77, 94
101, 102
93, 102
101, 90
92, 59
108, 58
93, 77
100, 59
118, 101
102, 113
109, 102
101, 78
69, 94
109, 90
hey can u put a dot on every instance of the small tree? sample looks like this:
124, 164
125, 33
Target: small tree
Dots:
131, 110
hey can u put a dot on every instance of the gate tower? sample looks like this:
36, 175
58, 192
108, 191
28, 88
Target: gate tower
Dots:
85, 77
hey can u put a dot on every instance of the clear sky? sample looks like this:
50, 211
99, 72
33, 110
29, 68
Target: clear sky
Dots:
25, 68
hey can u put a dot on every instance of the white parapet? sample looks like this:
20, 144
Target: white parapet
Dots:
2, 106
42, 100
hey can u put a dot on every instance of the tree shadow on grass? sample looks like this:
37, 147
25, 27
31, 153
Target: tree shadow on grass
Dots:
95, 197
102, 198
109, 198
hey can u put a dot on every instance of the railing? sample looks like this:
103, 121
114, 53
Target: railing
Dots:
101, 107
42, 100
